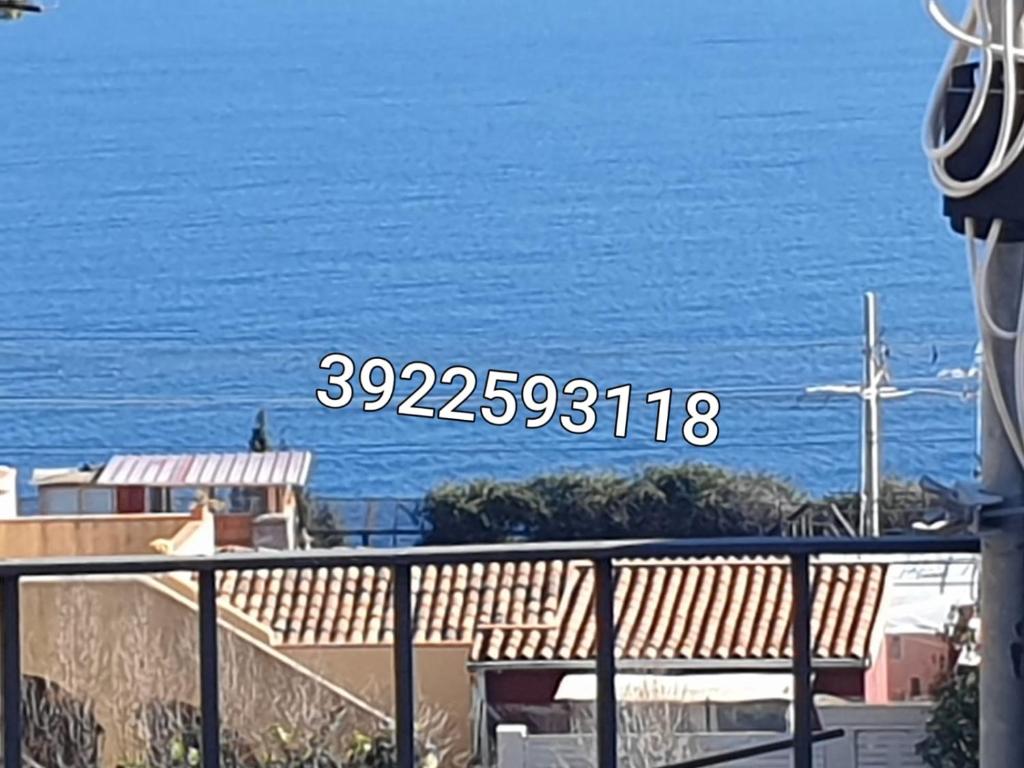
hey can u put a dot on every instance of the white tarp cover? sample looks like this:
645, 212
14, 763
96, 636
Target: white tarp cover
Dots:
682, 688
922, 595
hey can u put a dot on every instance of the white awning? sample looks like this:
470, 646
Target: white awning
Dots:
62, 476
203, 470
682, 688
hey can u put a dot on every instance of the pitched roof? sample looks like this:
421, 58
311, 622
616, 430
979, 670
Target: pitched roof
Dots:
670, 609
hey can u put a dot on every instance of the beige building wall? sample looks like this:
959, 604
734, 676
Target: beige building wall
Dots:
444, 687
120, 642
96, 535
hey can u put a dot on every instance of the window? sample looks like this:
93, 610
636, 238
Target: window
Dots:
58, 501
248, 501
75, 501
158, 501
183, 499
896, 648
96, 501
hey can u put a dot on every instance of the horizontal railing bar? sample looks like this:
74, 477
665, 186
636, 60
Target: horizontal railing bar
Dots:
531, 552
779, 666
719, 758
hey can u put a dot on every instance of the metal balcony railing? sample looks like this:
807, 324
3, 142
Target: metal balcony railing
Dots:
603, 554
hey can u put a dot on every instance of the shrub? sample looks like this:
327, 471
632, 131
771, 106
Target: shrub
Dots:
952, 739
689, 500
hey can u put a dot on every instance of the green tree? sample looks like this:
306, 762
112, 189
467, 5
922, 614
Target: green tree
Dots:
689, 500
952, 738
259, 441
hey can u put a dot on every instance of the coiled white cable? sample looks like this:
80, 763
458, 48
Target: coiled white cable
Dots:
975, 33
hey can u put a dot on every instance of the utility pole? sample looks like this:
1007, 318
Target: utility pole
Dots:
872, 390
1002, 535
974, 142
871, 461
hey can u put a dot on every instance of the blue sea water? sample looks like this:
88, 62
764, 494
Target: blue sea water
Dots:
199, 200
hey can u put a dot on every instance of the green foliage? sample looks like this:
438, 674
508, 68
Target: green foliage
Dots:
314, 520
259, 441
279, 748
900, 502
174, 733
692, 500
683, 501
689, 500
952, 739
59, 729
367, 751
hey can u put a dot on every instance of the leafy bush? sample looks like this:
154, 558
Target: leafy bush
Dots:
952, 739
689, 500
59, 729
279, 748
684, 501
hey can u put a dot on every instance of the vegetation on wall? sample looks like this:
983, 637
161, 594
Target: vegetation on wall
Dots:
59, 729
280, 747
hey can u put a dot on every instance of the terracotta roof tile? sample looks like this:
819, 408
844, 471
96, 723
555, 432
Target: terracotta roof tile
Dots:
667, 608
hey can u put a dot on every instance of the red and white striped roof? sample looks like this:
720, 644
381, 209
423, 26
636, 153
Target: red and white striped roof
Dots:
190, 470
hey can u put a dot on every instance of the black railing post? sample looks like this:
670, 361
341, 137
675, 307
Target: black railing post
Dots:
209, 685
803, 704
405, 681
10, 639
607, 707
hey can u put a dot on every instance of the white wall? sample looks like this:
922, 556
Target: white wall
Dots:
8, 492
876, 737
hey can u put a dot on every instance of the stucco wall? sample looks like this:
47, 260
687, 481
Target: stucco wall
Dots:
444, 692
916, 664
87, 535
121, 642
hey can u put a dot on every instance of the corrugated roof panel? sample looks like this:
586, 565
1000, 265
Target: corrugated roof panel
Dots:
195, 469
250, 469
208, 469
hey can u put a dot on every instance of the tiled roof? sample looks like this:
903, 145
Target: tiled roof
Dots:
666, 609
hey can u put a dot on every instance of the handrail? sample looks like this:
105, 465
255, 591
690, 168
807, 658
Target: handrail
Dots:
490, 553
603, 554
